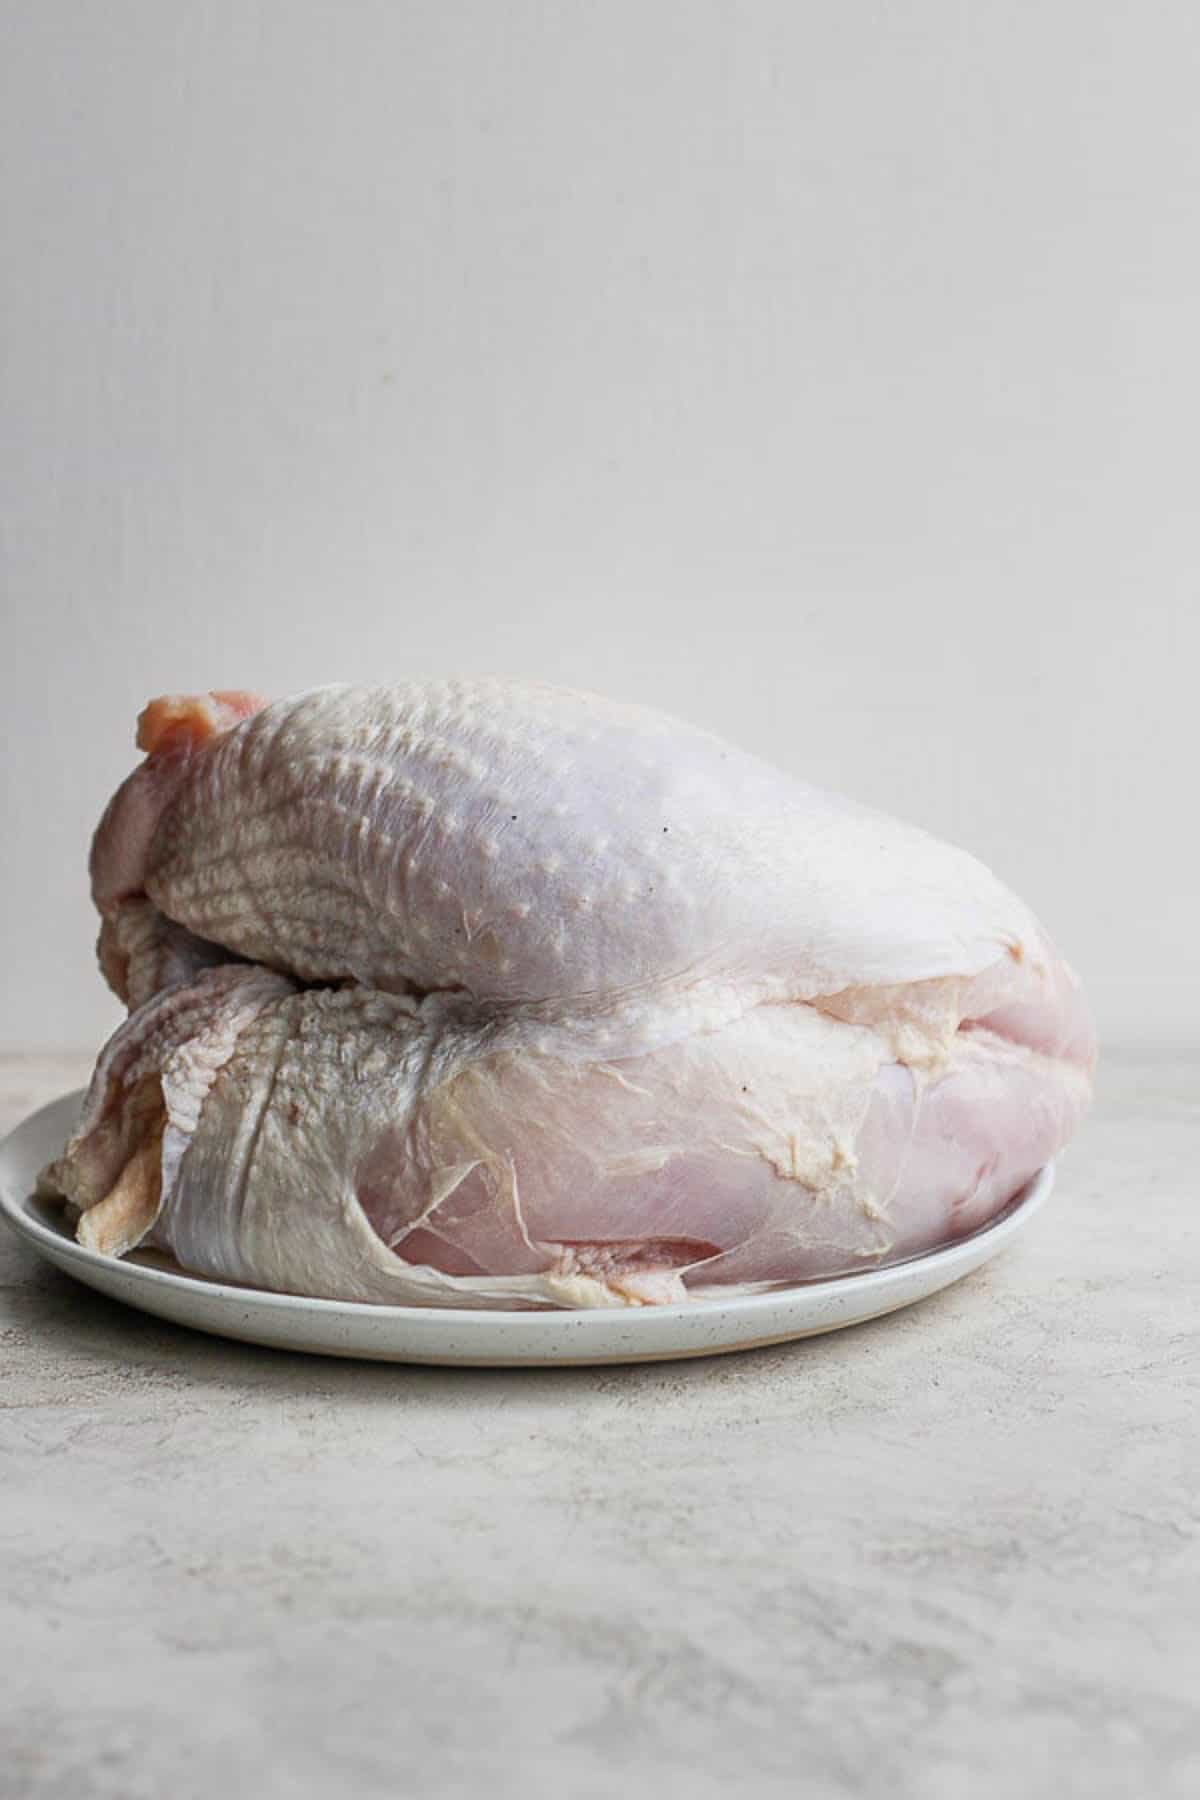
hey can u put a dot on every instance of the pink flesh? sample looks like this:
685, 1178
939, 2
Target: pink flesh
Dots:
931, 1161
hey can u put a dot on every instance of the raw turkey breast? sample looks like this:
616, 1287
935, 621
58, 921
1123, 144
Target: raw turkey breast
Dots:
482, 993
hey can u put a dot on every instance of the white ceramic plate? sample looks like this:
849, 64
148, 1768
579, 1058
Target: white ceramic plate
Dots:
444, 1335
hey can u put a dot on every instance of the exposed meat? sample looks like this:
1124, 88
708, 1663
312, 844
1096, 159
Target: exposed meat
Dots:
184, 722
572, 1004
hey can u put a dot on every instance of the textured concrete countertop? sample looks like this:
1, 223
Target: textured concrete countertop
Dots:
951, 1553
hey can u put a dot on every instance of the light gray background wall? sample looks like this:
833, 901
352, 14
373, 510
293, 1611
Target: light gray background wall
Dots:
828, 373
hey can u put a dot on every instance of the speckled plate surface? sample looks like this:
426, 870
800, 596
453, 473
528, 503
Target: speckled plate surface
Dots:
483, 1339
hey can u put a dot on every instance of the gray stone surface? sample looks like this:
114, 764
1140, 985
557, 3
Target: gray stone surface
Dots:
952, 1553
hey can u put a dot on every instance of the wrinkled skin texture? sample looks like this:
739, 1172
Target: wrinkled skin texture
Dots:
480, 993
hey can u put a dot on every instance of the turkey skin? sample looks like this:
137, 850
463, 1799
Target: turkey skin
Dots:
486, 993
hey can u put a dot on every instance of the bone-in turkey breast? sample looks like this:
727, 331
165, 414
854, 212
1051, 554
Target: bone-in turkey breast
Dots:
487, 993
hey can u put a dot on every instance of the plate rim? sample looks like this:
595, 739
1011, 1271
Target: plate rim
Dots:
522, 1322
